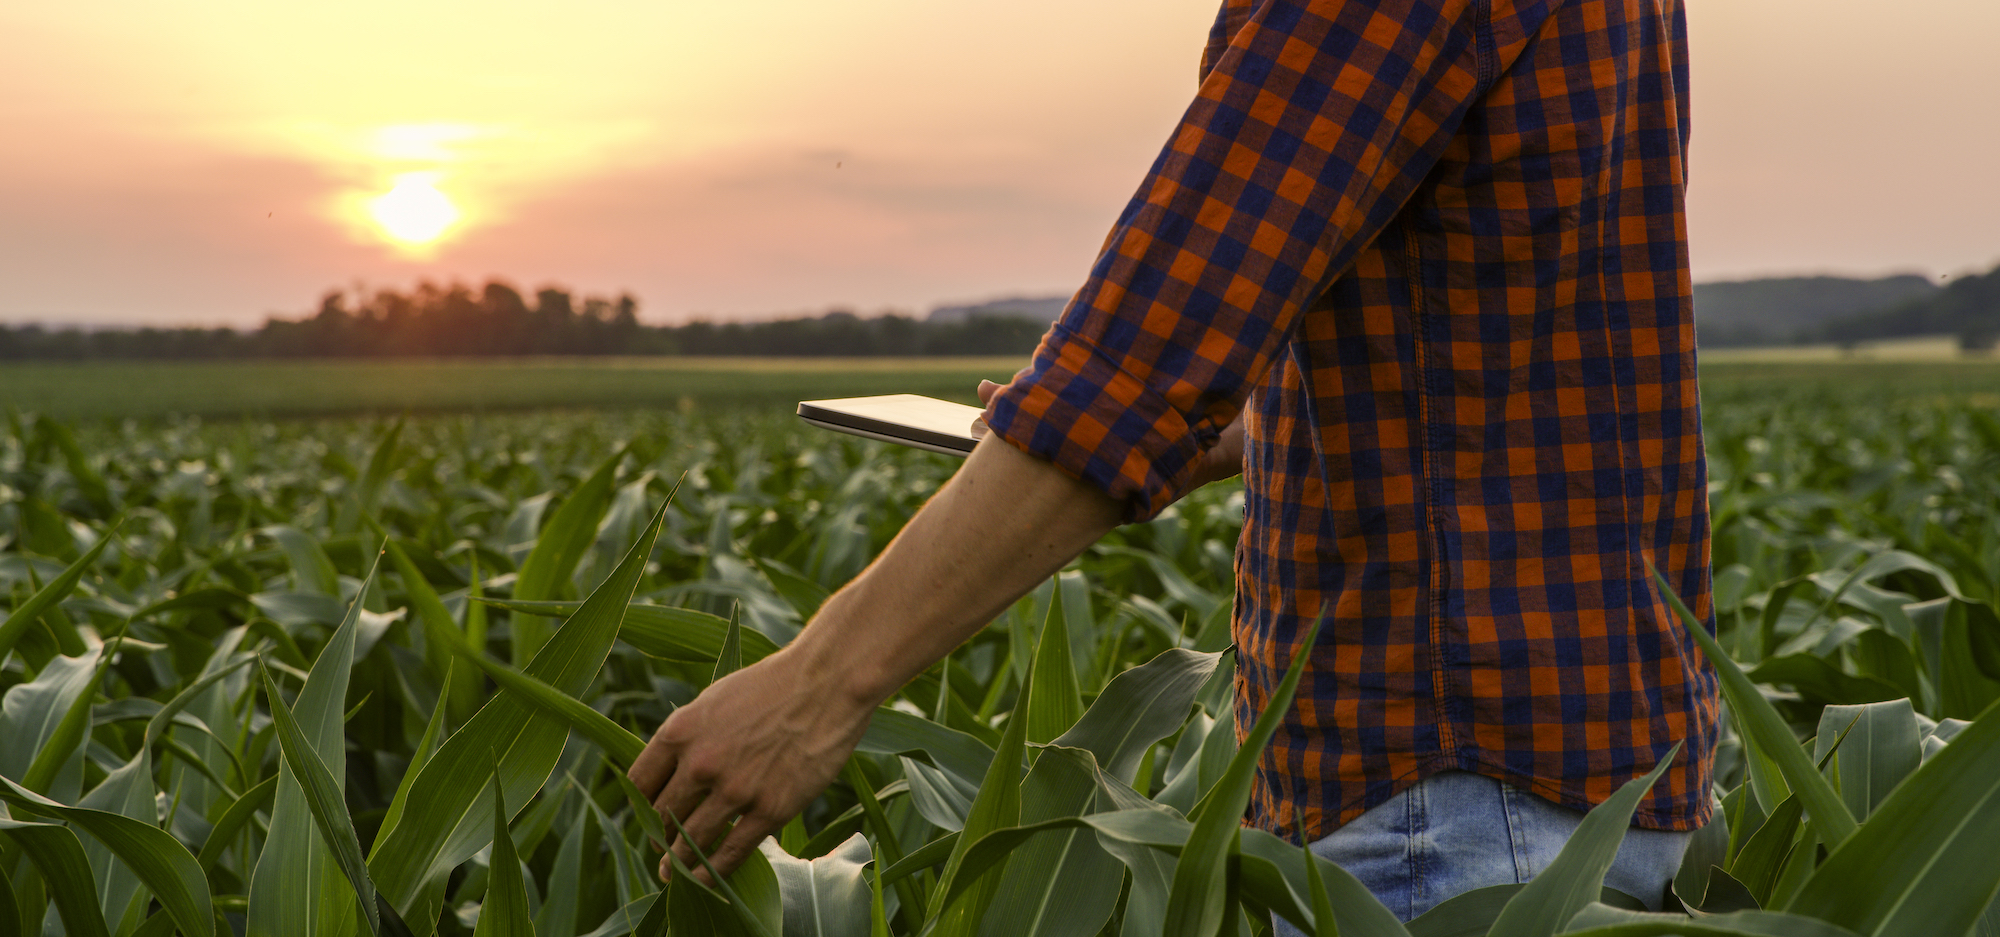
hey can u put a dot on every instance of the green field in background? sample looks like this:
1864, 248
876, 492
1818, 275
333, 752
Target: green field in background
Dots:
278, 388
329, 387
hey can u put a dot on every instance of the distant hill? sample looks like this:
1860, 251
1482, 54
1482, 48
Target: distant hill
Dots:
1784, 310
1770, 311
1043, 310
1969, 307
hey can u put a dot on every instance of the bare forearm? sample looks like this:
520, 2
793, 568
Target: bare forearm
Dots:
1003, 524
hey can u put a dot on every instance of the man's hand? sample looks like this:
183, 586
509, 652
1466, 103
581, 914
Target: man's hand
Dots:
756, 747
760, 744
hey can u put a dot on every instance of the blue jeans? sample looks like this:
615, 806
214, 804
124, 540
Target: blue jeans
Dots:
1457, 831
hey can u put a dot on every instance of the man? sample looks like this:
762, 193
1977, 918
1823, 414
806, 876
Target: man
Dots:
1419, 269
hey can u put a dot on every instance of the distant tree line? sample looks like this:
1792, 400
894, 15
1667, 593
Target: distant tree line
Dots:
1968, 307
1844, 311
1783, 310
497, 319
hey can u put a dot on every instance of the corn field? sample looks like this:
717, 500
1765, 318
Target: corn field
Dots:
384, 677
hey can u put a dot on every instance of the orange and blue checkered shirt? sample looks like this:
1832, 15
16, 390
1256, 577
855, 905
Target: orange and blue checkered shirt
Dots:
1434, 253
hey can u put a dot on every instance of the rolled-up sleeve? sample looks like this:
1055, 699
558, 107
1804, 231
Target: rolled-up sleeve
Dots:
1311, 129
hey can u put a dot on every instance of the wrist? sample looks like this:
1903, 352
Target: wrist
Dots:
835, 663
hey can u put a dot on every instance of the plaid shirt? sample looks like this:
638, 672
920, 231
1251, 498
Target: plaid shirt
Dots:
1434, 252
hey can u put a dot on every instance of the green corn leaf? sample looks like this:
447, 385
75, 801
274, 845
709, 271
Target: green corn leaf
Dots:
1923, 864
89, 481
629, 874
1769, 852
941, 797
1602, 920
46, 597
158, 859
1576, 876
1725, 894
1766, 731
643, 809
238, 814
1879, 747
1149, 839
380, 465
557, 915
1817, 680
645, 916
156, 727
562, 544
443, 820
1150, 877
925, 856
828, 896
1054, 702
909, 891
1881, 655
504, 912
56, 852
616, 740
662, 631
305, 881
324, 800
693, 908
878, 918
127, 791
654, 922
310, 566
10, 908
1707, 849
1272, 874
1200, 894
467, 691
998, 806
1964, 688
1323, 921
894, 732
730, 658
426, 747
1763, 854
1211, 751
1149, 827
1466, 914
1138, 708
1059, 883
441, 633
1982, 637
803, 595
41, 721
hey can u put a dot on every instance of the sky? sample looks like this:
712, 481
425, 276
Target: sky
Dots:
219, 161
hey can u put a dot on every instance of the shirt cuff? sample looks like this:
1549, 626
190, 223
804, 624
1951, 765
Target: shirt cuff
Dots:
1095, 421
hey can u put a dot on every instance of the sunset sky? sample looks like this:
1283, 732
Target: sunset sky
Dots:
217, 161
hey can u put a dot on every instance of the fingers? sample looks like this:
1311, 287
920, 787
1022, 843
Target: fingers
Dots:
737, 842
986, 391
705, 827
742, 840
655, 763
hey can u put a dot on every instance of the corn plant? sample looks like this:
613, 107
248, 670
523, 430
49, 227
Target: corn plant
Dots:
354, 677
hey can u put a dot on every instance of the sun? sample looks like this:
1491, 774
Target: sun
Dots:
413, 212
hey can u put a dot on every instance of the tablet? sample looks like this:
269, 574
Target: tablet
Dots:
905, 419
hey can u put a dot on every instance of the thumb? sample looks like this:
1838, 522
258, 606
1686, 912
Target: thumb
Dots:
986, 391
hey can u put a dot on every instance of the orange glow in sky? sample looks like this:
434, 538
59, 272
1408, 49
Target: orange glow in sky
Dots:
217, 161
